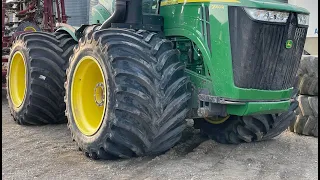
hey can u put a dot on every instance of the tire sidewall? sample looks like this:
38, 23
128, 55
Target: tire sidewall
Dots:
103, 131
20, 46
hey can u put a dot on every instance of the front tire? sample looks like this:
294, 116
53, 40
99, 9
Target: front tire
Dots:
132, 100
246, 129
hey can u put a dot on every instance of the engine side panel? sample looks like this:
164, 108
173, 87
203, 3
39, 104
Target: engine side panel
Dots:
197, 22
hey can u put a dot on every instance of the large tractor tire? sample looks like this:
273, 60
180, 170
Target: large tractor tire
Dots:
126, 94
306, 122
308, 76
36, 74
245, 129
28, 26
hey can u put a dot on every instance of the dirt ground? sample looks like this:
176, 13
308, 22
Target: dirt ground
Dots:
47, 152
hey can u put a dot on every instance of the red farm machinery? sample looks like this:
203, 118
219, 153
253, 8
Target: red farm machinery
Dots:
22, 16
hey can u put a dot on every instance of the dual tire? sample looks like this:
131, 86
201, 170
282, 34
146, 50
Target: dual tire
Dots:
130, 85
36, 73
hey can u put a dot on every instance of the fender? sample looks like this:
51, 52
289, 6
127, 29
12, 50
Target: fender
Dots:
99, 14
67, 28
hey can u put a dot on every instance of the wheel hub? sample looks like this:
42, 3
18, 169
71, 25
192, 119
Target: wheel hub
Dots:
99, 94
30, 28
88, 95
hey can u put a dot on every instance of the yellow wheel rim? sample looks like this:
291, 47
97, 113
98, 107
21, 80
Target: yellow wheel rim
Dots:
30, 28
17, 79
217, 120
88, 95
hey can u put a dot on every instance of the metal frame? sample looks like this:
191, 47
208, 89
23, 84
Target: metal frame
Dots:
49, 20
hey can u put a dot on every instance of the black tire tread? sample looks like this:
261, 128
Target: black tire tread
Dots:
308, 75
45, 105
306, 121
137, 130
246, 129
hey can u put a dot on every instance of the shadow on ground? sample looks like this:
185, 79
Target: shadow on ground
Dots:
48, 152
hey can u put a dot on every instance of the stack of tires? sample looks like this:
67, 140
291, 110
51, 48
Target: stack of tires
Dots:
306, 122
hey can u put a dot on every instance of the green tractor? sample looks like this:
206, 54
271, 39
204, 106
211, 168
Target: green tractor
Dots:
126, 83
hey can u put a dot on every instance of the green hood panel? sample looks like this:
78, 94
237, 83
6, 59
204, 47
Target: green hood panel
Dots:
261, 4
270, 4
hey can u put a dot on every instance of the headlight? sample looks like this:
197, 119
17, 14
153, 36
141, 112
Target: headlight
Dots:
268, 16
303, 19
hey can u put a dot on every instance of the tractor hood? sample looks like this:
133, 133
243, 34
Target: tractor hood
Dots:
266, 4
261, 4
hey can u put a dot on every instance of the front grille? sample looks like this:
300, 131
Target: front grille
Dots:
260, 58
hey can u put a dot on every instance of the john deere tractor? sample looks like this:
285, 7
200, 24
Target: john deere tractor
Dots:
126, 83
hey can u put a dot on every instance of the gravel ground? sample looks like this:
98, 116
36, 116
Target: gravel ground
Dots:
47, 152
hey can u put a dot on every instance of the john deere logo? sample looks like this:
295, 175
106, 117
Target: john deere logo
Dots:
289, 44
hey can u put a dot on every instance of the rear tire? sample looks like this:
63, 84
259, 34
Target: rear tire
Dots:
45, 75
146, 94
